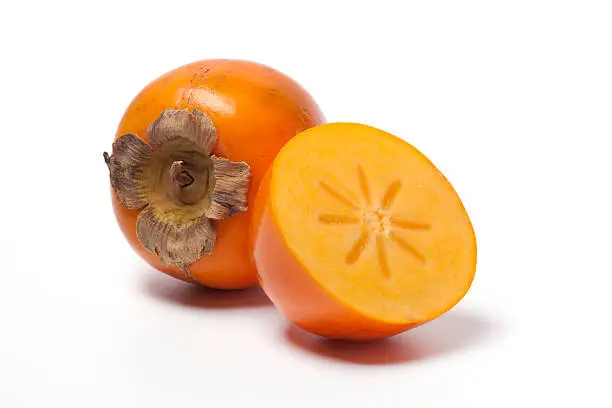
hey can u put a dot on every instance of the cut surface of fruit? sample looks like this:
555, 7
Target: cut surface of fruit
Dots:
358, 235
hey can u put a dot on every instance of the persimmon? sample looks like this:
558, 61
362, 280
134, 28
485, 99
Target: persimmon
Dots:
188, 157
356, 234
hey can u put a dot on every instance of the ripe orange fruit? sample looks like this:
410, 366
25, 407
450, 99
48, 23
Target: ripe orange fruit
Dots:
357, 235
188, 158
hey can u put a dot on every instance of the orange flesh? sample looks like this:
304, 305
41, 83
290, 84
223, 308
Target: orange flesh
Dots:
359, 221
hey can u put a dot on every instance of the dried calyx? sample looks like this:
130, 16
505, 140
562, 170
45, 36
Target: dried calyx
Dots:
181, 188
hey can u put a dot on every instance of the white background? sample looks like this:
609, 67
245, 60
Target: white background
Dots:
512, 100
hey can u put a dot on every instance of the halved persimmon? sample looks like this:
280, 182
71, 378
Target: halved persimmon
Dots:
357, 235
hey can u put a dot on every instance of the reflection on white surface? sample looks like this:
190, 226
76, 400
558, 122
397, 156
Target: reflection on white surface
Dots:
449, 333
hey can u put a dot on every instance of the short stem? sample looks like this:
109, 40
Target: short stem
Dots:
180, 175
189, 183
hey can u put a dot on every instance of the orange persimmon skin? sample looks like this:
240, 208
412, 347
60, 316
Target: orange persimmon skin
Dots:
256, 110
358, 236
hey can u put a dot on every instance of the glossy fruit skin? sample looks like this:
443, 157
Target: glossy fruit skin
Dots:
256, 110
293, 290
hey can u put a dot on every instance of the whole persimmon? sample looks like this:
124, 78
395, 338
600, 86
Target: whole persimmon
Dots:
187, 160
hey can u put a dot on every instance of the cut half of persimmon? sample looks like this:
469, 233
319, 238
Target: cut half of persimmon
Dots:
357, 235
